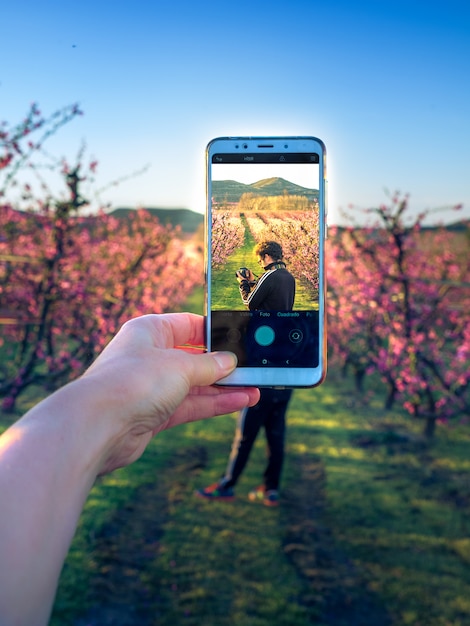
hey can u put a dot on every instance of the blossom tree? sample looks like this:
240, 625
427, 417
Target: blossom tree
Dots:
69, 280
227, 234
398, 296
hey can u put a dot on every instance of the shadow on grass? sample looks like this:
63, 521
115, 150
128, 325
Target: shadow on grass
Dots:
335, 592
130, 588
125, 589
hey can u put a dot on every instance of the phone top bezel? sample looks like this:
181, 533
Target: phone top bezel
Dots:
294, 377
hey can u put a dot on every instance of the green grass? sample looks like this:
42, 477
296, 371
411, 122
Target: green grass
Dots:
373, 527
370, 517
225, 293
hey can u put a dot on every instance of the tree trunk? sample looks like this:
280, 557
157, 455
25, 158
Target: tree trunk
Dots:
389, 401
429, 427
359, 375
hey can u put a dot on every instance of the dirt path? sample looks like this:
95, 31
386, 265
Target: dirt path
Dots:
125, 590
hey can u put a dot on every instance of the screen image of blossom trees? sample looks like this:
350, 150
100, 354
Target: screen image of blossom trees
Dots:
69, 280
290, 220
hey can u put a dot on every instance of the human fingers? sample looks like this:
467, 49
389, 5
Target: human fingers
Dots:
178, 329
167, 330
154, 331
201, 370
211, 401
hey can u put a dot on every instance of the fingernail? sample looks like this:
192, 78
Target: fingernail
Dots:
227, 360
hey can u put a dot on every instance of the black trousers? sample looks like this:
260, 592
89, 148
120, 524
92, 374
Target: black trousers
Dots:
270, 412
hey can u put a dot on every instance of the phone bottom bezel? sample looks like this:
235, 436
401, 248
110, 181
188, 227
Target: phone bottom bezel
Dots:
274, 377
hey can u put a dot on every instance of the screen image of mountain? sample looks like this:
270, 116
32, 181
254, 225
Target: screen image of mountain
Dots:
232, 191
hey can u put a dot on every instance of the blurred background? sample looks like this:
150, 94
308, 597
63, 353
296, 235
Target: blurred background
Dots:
384, 84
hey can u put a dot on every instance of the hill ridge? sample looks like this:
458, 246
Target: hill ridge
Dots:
232, 190
189, 220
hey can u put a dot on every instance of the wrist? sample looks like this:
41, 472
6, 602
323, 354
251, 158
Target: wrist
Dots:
77, 426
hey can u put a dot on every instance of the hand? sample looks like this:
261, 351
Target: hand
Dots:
149, 383
249, 278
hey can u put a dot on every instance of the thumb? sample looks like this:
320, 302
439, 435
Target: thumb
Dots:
210, 367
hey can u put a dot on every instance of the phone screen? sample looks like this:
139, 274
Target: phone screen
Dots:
265, 265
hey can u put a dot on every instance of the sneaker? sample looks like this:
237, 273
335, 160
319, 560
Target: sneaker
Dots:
271, 498
216, 492
256, 494
268, 498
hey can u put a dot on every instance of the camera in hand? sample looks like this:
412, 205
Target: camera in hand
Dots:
244, 272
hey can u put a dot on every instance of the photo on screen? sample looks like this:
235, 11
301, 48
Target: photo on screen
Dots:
264, 202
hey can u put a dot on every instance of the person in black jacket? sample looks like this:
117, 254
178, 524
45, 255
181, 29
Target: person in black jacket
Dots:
274, 290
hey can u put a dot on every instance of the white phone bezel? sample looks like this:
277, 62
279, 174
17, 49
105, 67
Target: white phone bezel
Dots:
275, 376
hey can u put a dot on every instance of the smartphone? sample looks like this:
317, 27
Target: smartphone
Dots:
264, 263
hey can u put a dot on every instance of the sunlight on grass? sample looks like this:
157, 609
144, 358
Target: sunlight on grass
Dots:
394, 510
454, 464
462, 548
299, 448
296, 420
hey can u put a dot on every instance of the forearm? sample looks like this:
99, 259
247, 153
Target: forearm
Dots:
48, 464
255, 297
245, 287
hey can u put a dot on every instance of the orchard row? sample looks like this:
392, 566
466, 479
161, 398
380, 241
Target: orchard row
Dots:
296, 231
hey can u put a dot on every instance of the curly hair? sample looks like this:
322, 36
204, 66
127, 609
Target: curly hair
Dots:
272, 248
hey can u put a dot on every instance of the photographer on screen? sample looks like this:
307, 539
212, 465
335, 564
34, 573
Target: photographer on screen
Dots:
275, 289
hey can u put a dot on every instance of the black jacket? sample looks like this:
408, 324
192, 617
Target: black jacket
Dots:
274, 290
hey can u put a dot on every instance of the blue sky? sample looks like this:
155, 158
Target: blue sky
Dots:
386, 85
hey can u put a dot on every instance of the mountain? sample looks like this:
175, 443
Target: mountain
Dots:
189, 221
232, 190
461, 226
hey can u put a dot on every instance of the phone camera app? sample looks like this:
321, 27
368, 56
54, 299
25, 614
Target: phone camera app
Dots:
296, 335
